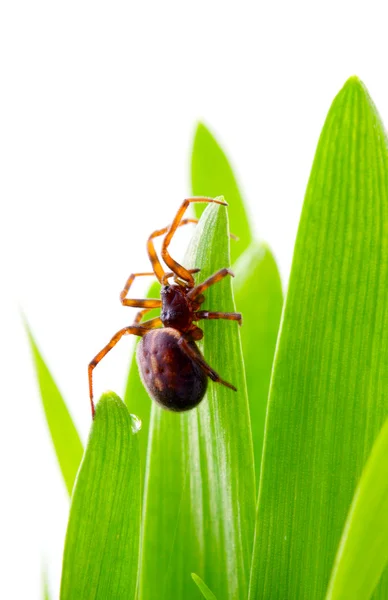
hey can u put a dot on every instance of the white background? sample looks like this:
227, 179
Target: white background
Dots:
98, 105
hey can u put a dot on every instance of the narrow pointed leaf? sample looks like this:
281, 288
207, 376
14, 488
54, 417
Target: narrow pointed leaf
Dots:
200, 479
206, 593
363, 551
67, 443
259, 298
46, 593
328, 396
136, 397
212, 175
102, 541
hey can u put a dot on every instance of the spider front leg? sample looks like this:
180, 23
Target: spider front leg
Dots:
155, 262
140, 303
135, 330
148, 303
150, 324
180, 271
200, 361
199, 289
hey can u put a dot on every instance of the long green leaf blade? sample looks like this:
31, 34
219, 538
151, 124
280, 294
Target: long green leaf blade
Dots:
206, 593
46, 592
259, 298
258, 287
212, 175
200, 480
67, 443
328, 395
102, 541
363, 551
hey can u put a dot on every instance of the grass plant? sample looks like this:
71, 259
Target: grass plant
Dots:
279, 490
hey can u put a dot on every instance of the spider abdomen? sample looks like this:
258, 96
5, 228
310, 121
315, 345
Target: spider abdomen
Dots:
171, 377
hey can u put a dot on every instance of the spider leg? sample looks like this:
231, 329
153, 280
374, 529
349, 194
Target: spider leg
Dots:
130, 281
166, 276
150, 323
198, 358
139, 316
156, 303
155, 262
199, 289
205, 314
135, 330
180, 271
146, 303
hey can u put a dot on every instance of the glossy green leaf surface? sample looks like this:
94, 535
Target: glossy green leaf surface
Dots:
200, 490
259, 297
67, 443
363, 551
102, 541
328, 396
206, 593
212, 175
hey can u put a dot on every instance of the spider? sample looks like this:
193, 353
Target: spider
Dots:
171, 366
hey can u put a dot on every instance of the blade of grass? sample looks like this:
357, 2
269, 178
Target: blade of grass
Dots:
206, 593
102, 542
200, 490
67, 443
363, 551
212, 175
259, 298
328, 397
46, 593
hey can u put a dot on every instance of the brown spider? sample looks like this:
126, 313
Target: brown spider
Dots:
171, 366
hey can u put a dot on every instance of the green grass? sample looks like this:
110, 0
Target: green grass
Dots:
279, 490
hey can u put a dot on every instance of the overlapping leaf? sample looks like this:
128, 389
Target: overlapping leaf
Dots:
259, 298
46, 593
206, 593
212, 175
363, 551
67, 443
257, 286
102, 541
328, 395
199, 511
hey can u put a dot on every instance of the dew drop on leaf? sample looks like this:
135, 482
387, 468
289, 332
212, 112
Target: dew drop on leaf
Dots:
136, 423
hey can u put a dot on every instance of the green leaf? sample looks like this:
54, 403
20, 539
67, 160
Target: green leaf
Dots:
206, 593
102, 541
46, 592
136, 398
363, 551
259, 298
200, 490
212, 175
67, 443
328, 396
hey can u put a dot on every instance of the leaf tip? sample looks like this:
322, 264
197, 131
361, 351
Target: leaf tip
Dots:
201, 131
354, 80
110, 401
109, 398
354, 85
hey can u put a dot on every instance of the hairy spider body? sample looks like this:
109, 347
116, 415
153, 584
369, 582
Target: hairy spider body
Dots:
171, 377
173, 370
